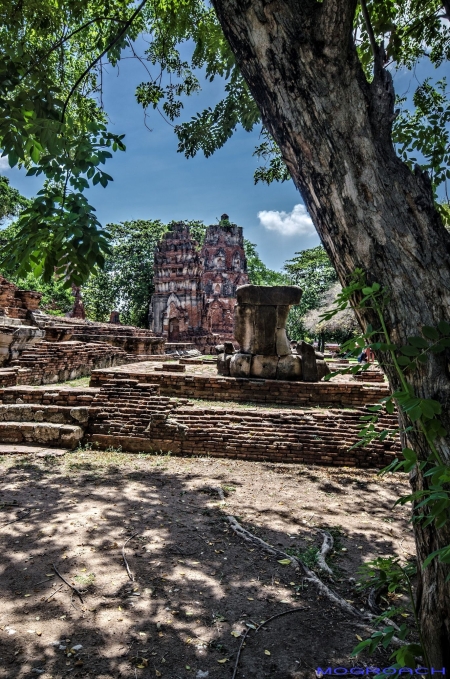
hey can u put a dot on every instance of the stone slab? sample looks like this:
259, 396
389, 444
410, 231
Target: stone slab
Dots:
240, 365
289, 367
47, 433
39, 451
309, 363
264, 367
171, 367
272, 295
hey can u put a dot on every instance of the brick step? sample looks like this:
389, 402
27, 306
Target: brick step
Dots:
49, 396
48, 433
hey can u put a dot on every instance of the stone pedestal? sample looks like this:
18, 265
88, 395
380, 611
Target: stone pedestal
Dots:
260, 328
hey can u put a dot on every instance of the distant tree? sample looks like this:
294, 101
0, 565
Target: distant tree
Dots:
258, 272
312, 270
57, 297
126, 282
11, 201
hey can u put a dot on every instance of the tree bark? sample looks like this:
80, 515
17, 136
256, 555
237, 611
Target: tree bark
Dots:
371, 212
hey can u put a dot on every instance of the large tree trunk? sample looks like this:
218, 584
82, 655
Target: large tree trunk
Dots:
371, 212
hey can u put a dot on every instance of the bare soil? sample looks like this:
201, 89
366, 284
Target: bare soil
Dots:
196, 585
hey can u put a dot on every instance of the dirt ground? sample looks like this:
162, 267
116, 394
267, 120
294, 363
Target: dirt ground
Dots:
196, 585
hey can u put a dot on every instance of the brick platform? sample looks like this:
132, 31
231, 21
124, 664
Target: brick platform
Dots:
134, 417
138, 418
217, 388
51, 396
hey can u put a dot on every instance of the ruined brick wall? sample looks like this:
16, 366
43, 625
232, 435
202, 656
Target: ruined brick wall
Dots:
195, 289
133, 340
15, 303
50, 362
137, 417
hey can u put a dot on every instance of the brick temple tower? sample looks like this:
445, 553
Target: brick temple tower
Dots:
224, 268
195, 290
178, 303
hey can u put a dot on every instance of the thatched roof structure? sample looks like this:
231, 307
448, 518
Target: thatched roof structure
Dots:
344, 322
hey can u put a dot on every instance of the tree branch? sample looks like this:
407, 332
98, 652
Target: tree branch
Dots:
369, 28
68, 37
336, 21
446, 6
105, 51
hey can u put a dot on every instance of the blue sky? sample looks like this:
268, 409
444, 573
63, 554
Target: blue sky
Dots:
153, 181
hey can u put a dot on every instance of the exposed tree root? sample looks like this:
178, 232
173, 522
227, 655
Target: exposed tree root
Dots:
372, 601
309, 575
130, 574
327, 547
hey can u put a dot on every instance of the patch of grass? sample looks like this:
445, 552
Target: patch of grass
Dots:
78, 382
113, 449
242, 405
85, 579
161, 458
336, 533
308, 555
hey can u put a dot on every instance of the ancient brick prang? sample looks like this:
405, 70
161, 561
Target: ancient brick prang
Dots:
178, 304
224, 269
195, 289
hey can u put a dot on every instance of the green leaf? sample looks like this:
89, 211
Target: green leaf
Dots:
409, 350
418, 342
444, 327
415, 413
440, 346
360, 647
409, 455
430, 333
390, 407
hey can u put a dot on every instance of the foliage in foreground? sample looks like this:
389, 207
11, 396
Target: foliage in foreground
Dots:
53, 122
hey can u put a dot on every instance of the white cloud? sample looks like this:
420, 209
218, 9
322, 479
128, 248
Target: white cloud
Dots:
297, 222
4, 165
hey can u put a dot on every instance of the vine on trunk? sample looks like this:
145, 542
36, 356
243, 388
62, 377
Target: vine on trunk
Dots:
432, 504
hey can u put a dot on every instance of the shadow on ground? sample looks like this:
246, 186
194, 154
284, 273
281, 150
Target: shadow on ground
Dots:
196, 585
